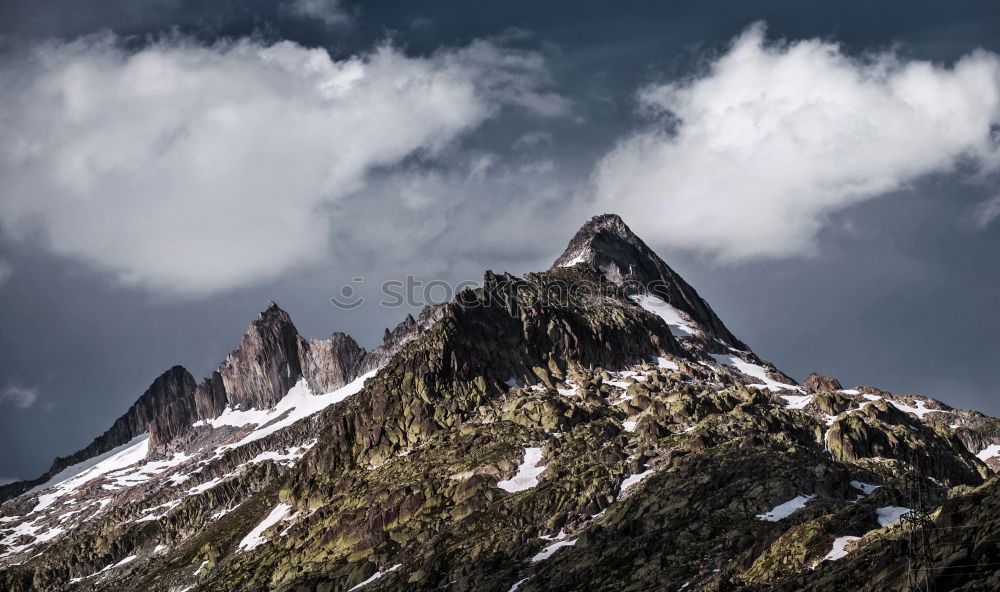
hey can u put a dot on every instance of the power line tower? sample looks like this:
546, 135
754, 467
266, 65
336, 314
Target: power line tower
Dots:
919, 530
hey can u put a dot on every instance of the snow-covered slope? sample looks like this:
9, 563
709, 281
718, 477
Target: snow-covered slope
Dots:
152, 486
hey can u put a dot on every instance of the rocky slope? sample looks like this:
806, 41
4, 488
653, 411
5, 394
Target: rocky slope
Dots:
592, 427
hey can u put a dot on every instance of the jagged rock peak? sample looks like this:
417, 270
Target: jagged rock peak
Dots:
816, 383
582, 246
273, 313
173, 386
608, 244
329, 364
266, 364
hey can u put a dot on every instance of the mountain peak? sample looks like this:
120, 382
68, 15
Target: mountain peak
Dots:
273, 311
609, 221
608, 244
600, 231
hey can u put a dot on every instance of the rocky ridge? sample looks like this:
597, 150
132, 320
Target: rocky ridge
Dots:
613, 437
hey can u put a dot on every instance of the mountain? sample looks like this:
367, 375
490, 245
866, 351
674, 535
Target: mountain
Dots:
595, 426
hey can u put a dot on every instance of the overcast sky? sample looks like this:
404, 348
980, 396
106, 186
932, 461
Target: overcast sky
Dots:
826, 174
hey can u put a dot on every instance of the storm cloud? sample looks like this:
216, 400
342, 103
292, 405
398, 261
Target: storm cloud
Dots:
189, 169
747, 159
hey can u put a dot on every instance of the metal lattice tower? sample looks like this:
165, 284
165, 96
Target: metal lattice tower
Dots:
919, 525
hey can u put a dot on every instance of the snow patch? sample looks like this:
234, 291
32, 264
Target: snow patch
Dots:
527, 472
890, 514
125, 561
204, 486
287, 459
298, 404
570, 392
255, 538
90, 466
839, 550
71, 478
629, 426
167, 506
989, 452
920, 410
635, 478
575, 260
754, 370
865, 488
668, 364
675, 319
786, 509
798, 402
377, 575
548, 551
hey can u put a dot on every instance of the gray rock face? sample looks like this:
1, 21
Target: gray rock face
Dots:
210, 397
173, 421
817, 383
266, 364
624, 259
329, 364
257, 374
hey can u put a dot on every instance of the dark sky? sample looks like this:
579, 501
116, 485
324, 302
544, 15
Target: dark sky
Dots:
897, 288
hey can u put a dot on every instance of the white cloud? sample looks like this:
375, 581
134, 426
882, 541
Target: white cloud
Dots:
18, 396
330, 12
747, 159
191, 169
986, 212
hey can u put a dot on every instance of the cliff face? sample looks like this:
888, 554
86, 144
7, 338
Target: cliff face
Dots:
266, 364
329, 364
173, 386
210, 397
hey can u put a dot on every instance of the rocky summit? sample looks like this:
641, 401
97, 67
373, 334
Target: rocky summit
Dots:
592, 427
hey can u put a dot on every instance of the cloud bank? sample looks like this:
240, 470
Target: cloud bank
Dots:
747, 159
190, 169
